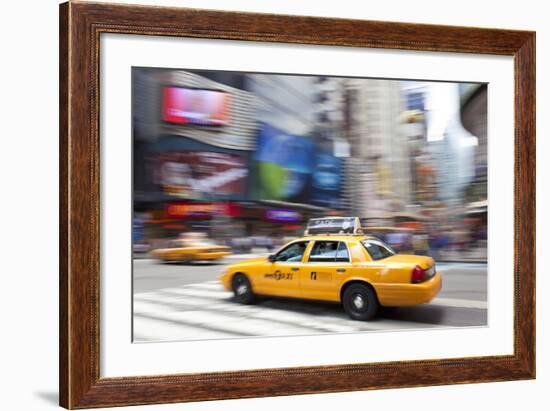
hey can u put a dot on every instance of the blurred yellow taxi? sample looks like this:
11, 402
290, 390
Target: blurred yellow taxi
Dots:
191, 249
335, 261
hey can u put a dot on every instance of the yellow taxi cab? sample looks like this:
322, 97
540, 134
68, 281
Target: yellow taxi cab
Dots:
191, 248
335, 261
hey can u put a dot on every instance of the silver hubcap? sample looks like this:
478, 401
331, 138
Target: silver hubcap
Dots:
358, 302
242, 289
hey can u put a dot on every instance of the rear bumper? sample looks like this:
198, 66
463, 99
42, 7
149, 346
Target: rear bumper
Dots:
398, 295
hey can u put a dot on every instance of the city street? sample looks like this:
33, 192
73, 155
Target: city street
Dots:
244, 161
187, 302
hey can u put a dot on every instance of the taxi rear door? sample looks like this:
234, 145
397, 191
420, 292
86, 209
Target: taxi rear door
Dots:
325, 265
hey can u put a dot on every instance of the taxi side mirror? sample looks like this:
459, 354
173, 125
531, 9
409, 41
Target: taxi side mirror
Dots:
271, 258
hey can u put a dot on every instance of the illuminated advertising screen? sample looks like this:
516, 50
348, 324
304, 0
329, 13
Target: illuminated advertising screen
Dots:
327, 180
283, 165
282, 215
201, 210
195, 106
201, 174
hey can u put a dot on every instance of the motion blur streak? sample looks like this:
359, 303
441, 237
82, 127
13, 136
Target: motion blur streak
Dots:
234, 164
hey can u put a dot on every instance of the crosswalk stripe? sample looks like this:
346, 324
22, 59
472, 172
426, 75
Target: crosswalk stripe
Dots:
222, 321
213, 289
213, 285
206, 310
229, 308
216, 291
459, 303
192, 291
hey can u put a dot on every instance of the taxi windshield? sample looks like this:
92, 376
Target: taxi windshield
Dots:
377, 249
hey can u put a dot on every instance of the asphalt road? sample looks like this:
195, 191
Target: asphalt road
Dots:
186, 302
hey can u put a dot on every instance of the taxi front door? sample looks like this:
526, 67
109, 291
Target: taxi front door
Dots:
282, 276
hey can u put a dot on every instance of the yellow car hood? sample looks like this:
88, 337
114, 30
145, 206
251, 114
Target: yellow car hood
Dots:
250, 261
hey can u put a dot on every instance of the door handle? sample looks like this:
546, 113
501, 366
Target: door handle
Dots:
340, 270
294, 268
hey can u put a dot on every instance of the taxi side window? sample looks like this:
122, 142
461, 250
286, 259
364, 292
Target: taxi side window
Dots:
329, 252
377, 250
342, 255
292, 253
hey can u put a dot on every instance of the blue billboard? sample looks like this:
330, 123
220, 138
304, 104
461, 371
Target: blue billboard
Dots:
283, 165
327, 180
292, 168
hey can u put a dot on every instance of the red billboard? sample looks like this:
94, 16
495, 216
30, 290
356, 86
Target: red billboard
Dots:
195, 106
201, 210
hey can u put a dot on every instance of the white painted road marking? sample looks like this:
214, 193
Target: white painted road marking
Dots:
206, 311
459, 303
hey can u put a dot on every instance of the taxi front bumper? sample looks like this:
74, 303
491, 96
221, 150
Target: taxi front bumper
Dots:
225, 279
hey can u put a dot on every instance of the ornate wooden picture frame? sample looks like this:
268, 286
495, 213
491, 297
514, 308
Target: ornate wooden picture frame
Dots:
81, 25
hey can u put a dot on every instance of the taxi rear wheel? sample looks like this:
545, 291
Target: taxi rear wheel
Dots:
242, 289
360, 302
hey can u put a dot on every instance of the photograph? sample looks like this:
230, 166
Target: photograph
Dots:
292, 204
270, 205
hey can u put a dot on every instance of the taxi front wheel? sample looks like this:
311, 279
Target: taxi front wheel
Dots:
360, 302
242, 289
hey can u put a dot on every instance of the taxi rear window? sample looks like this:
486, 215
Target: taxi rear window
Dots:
377, 249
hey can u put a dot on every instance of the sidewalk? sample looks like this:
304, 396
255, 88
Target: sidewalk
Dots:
478, 255
474, 256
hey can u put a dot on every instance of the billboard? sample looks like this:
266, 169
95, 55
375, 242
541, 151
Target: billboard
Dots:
201, 175
195, 106
327, 180
201, 210
282, 215
283, 165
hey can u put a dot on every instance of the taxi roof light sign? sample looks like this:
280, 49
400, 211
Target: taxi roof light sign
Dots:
334, 225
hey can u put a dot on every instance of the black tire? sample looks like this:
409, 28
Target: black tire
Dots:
242, 289
360, 302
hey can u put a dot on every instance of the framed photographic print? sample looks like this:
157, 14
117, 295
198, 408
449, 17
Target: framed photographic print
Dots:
260, 205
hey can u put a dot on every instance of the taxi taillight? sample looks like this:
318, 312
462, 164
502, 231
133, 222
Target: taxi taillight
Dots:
418, 275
